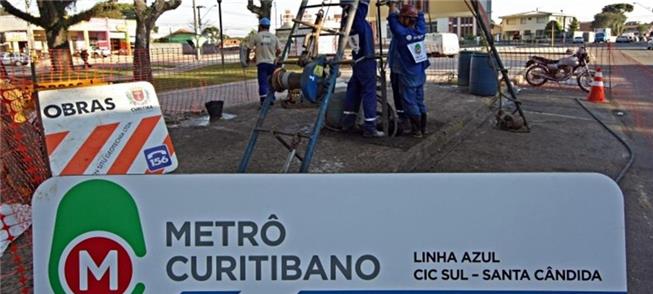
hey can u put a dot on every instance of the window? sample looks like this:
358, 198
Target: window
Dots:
541, 19
466, 31
510, 21
523, 20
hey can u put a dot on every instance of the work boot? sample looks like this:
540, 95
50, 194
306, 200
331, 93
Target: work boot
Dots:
370, 131
416, 127
422, 124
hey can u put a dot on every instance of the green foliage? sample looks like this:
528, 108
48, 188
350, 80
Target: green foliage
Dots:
212, 34
643, 29
120, 10
574, 26
552, 25
613, 16
618, 8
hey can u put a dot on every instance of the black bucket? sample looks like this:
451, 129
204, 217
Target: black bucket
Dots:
215, 110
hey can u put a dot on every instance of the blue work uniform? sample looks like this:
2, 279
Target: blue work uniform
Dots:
411, 62
362, 85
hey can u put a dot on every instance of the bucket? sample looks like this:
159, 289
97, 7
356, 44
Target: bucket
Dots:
335, 109
215, 110
482, 76
464, 60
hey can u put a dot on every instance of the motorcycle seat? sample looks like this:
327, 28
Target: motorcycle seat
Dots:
545, 60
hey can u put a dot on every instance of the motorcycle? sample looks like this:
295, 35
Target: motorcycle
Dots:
541, 70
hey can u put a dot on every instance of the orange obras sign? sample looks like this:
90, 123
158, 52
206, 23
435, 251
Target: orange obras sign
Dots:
113, 129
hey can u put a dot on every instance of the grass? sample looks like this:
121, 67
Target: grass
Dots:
206, 76
203, 76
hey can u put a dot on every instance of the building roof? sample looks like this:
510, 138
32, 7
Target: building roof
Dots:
535, 13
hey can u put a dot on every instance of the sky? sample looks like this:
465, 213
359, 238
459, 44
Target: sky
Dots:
238, 21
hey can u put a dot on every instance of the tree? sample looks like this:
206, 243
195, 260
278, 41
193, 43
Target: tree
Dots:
120, 10
613, 17
552, 25
2, 11
265, 10
212, 34
618, 8
54, 19
643, 29
574, 26
146, 17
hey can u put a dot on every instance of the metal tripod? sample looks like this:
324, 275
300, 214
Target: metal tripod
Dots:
333, 65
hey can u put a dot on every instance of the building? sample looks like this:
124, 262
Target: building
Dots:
529, 26
182, 36
451, 16
104, 33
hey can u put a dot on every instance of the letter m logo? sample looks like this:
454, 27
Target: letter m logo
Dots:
108, 264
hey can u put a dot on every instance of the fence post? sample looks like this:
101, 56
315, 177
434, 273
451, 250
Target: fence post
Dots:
39, 127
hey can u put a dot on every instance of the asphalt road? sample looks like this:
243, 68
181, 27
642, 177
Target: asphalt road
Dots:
634, 96
560, 142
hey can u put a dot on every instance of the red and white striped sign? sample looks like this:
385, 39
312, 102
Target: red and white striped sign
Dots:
113, 129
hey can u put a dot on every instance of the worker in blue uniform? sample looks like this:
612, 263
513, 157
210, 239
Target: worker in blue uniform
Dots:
408, 28
362, 85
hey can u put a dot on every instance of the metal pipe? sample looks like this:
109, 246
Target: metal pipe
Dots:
221, 32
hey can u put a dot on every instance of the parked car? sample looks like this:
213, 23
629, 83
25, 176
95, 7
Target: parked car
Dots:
96, 52
650, 44
579, 40
14, 58
624, 39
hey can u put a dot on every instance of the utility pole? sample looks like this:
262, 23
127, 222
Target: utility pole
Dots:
197, 34
221, 32
564, 27
30, 31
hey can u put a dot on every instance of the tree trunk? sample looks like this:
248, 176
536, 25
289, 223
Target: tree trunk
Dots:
142, 62
60, 56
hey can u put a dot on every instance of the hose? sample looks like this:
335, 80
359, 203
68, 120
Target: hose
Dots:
631, 154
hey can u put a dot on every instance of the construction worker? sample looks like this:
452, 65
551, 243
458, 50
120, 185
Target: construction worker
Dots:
268, 48
362, 85
408, 28
84, 55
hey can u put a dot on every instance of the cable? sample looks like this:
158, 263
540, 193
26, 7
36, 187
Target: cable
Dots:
631, 160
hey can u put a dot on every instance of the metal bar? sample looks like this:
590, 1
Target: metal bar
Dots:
335, 68
321, 35
322, 5
289, 146
384, 84
261, 130
265, 108
476, 10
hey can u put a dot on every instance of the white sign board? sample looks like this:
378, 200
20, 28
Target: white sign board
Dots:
391, 234
113, 129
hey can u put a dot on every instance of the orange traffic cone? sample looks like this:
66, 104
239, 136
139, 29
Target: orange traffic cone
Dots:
597, 94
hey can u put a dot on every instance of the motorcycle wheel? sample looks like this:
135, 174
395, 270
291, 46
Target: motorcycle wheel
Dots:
585, 80
533, 73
